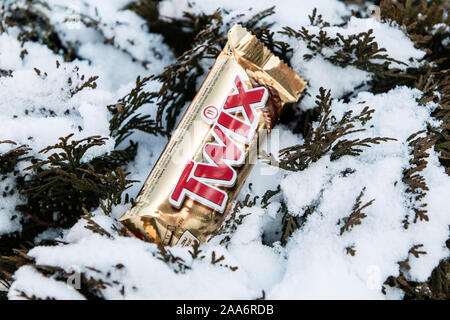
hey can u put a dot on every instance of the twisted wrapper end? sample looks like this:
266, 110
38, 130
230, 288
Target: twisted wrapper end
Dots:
268, 68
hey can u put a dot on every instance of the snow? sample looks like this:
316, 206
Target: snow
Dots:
331, 10
31, 283
318, 66
138, 260
128, 31
314, 263
9, 219
25, 97
389, 37
397, 45
318, 249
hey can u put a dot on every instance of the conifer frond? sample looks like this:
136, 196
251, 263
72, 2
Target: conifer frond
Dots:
415, 182
177, 264
280, 48
10, 159
356, 215
289, 222
358, 50
436, 287
350, 250
235, 219
419, 19
327, 136
34, 26
346, 147
94, 226
126, 113
195, 253
64, 183
179, 79
268, 195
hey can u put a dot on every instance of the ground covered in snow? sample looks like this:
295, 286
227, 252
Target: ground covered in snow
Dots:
336, 225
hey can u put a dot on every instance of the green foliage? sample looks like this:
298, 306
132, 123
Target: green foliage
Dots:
64, 183
356, 215
269, 194
326, 137
436, 88
89, 83
234, 220
62, 187
179, 79
357, 50
316, 20
179, 34
116, 158
34, 26
94, 23
94, 226
350, 250
10, 159
8, 168
419, 19
57, 190
93, 282
177, 264
196, 252
126, 117
435, 288
426, 23
415, 182
280, 48
215, 261
91, 287
75, 82
289, 222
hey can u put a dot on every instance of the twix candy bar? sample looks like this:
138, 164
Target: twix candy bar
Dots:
193, 184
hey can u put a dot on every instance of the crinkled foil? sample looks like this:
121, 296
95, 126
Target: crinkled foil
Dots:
153, 217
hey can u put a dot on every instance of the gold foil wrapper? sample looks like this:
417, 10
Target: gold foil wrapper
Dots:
244, 64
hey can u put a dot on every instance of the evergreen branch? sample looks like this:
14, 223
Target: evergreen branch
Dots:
325, 137
415, 182
126, 118
356, 215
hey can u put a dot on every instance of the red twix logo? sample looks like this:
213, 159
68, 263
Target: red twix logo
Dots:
200, 180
